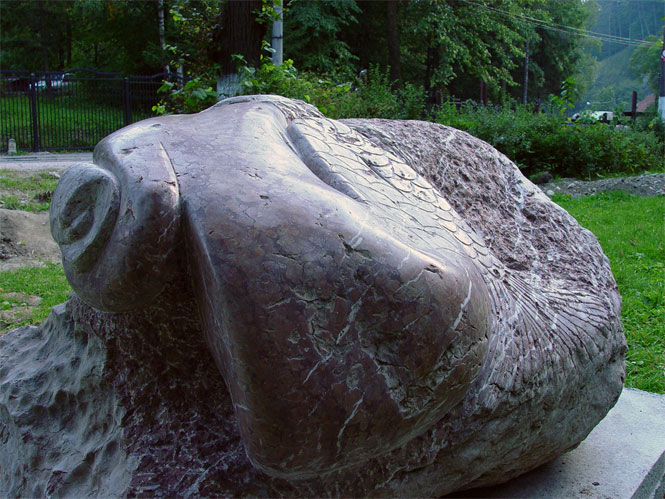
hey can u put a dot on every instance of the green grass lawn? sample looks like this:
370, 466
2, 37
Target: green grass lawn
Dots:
65, 121
631, 231
26, 192
48, 283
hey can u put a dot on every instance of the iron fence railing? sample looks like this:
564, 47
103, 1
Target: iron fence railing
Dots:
73, 109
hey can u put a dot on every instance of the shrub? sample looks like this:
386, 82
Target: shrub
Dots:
193, 96
358, 98
540, 142
537, 142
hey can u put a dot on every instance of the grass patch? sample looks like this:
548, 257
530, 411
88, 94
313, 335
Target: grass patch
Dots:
16, 286
64, 121
31, 192
631, 231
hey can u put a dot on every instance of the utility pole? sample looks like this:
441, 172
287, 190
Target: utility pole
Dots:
661, 91
278, 35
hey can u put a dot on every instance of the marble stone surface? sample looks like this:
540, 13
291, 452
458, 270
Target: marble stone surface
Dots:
268, 302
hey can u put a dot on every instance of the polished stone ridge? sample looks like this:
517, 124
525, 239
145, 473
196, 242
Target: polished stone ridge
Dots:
392, 307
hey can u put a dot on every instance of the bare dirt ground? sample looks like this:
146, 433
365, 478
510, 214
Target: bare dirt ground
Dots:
25, 239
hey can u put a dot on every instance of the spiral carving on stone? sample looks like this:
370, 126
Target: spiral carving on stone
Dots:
84, 209
116, 222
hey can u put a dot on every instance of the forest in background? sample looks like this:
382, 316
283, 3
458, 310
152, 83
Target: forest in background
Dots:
445, 46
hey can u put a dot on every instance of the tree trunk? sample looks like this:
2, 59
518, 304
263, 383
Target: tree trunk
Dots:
278, 35
43, 37
525, 80
162, 32
392, 34
240, 34
69, 42
432, 62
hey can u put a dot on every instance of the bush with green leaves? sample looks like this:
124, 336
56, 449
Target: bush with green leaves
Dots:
193, 96
539, 142
367, 97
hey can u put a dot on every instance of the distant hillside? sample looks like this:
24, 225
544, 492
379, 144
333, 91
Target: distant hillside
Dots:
614, 83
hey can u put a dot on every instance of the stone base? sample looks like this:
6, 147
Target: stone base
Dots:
624, 456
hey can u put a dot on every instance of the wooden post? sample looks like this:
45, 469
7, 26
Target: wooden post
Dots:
483, 93
633, 106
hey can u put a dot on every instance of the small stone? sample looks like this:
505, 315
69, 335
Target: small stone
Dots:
550, 192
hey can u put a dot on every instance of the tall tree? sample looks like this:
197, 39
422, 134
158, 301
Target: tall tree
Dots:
162, 31
238, 32
556, 50
313, 31
457, 44
392, 34
33, 34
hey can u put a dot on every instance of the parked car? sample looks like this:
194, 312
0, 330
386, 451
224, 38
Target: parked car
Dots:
604, 116
58, 80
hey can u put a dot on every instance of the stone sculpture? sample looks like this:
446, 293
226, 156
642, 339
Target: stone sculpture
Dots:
392, 307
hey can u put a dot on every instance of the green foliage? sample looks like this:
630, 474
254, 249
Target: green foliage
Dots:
556, 54
194, 96
566, 99
191, 34
372, 98
645, 62
47, 282
459, 41
540, 142
615, 82
628, 19
312, 35
630, 231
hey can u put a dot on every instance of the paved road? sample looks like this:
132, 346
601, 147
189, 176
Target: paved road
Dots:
43, 161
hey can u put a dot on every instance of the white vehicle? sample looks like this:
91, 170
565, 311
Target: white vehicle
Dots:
594, 116
58, 80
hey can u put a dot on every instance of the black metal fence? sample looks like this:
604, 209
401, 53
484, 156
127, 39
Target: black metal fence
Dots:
74, 109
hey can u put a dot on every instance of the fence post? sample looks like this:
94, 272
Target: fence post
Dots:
127, 101
633, 106
33, 113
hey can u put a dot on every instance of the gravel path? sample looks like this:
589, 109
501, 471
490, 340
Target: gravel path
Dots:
43, 161
644, 185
